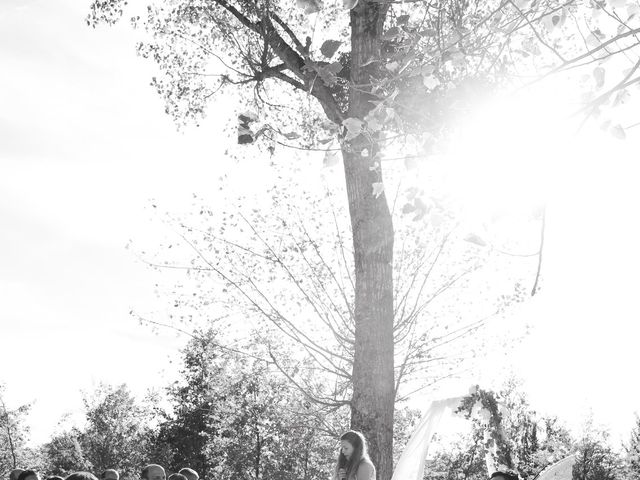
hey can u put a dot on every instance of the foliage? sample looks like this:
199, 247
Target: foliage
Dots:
13, 436
507, 433
633, 452
240, 418
595, 460
63, 454
117, 434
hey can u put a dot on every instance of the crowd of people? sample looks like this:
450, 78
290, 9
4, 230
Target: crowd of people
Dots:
150, 472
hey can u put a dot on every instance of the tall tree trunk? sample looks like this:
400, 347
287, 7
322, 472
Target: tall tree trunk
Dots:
373, 373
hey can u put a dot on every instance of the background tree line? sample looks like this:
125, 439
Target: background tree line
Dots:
236, 416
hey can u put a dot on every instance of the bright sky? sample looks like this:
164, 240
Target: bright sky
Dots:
84, 146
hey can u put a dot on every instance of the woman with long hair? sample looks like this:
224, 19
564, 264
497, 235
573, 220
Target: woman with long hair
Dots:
353, 461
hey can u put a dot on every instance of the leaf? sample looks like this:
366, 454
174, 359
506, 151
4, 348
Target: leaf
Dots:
349, 4
373, 124
426, 70
621, 97
392, 66
554, 20
291, 135
476, 239
431, 82
408, 208
309, 6
330, 47
403, 19
618, 132
421, 209
335, 67
378, 189
331, 158
364, 152
598, 74
392, 33
353, 126
326, 72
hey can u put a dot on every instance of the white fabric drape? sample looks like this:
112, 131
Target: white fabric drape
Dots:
411, 463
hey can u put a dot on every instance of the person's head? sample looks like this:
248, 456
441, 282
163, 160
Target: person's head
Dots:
176, 476
353, 448
15, 473
153, 472
28, 475
504, 475
110, 474
81, 476
190, 474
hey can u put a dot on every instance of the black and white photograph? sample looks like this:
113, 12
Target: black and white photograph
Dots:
319, 239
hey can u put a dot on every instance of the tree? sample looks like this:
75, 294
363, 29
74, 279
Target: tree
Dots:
633, 452
595, 461
118, 433
238, 417
13, 435
63, 454
394, 63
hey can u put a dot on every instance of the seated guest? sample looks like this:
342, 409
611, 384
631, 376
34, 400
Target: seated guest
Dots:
110, 474
506, 475
190, 473
15, 473
28, 475
153, 472
176, 476
81, 476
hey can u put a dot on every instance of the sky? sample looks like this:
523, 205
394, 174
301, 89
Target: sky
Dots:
85, 148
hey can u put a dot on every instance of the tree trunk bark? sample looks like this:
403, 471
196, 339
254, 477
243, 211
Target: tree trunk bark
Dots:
373, 375
372, 404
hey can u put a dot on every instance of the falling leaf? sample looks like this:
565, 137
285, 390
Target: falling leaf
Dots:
522, 4
378, 189
309, 6
373, 124
427, 70
473, 238
349, 4
621, 97
331, 158
431, 82
408, 208
392, 33
618, 132
598, 74
353, 126
392, 66
554, 20
330, 47
410, 163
